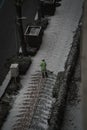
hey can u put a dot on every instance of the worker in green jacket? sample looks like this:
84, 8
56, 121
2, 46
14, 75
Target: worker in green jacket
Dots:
43, 68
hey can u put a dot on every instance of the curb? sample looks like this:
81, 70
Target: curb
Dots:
5, 84
59, 106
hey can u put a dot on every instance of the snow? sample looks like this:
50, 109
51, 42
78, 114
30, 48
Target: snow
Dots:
55, 47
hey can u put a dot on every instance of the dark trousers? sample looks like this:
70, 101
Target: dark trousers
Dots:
44, 74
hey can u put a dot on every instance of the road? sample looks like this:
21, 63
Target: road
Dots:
8, 33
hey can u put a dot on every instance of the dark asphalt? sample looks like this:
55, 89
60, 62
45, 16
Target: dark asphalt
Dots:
8, 33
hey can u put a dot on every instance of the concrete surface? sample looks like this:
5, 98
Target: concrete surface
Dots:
5, 84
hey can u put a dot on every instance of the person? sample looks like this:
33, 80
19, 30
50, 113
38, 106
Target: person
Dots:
43, 68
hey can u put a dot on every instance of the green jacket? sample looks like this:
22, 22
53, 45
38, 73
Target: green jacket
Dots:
43, 66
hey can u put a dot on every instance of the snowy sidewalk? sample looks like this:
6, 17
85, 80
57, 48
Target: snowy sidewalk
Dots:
55, 47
